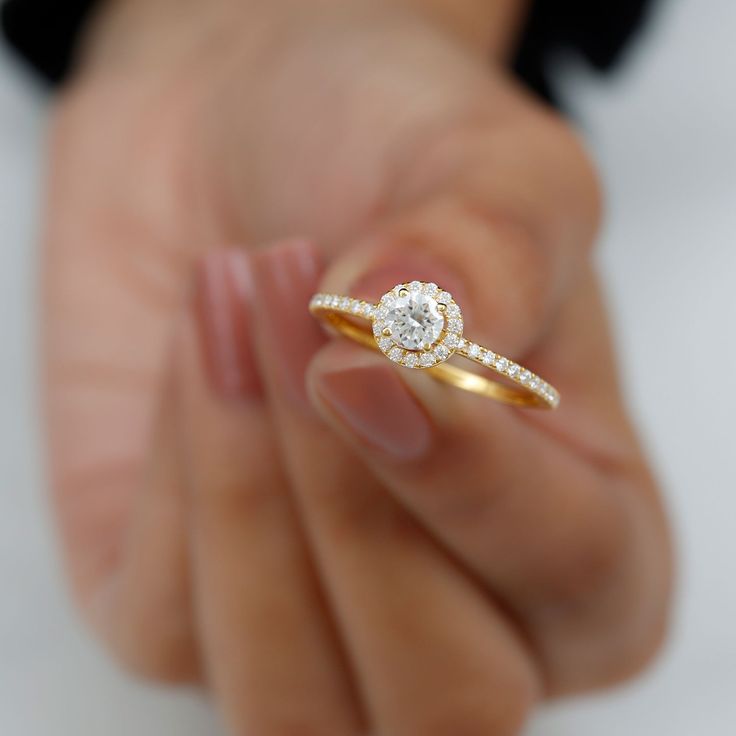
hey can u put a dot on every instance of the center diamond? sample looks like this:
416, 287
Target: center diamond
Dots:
415, 321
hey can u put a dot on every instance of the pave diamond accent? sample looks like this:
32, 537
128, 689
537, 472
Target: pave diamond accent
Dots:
396, 354
511, 370
442, 352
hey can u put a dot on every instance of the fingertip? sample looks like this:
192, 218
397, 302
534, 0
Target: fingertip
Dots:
358, 393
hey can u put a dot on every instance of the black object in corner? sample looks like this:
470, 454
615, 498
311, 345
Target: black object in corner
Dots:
45, 32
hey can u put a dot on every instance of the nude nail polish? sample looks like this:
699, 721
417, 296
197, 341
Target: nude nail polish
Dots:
286, 276
224, 290
386, 417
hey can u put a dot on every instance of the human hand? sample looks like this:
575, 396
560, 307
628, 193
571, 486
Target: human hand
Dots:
503, 556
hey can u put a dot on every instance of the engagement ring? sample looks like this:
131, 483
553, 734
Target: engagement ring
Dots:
418, 325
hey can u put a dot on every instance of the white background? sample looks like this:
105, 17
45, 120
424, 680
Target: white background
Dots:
664, 134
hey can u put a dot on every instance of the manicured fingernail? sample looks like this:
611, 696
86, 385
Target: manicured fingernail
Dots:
374, 403
286, 277
223, 293
371, 277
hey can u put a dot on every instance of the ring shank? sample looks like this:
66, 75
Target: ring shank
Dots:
515, 394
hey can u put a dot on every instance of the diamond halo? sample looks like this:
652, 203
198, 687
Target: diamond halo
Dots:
417, 325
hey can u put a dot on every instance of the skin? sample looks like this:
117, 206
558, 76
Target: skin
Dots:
263, 535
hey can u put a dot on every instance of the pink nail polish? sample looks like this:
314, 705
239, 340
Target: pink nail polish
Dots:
223, 295
375, 404
286, 277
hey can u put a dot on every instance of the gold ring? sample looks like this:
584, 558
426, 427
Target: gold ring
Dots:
418, 325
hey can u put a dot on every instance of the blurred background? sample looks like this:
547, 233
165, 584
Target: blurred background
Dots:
663, 131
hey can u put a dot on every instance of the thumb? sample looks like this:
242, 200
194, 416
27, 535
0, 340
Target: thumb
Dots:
501, 215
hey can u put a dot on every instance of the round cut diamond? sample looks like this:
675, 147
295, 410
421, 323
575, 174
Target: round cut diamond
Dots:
415, 320
411, 324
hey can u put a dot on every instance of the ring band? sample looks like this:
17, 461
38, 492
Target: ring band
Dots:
418, 325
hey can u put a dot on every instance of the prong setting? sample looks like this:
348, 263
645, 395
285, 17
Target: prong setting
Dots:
421, 330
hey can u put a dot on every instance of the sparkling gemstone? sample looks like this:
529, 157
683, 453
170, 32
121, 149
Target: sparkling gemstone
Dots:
396, 354
415, 320
442, 352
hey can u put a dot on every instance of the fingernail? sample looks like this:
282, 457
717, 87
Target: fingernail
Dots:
223, 293
371, 276
286, 277
374, 403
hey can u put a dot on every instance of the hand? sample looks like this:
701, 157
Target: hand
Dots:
440, 584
